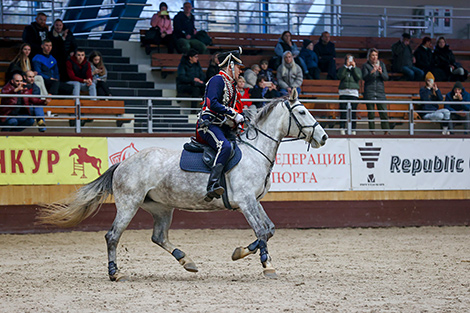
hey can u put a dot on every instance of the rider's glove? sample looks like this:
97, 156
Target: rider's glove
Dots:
239, 118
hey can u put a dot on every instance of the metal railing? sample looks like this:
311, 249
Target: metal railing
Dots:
151, 118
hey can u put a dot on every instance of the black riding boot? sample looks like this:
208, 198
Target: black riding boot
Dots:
214, 190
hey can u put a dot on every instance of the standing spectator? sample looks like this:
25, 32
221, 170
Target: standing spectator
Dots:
242, 93
251, 75
267, 72
20, 115
311, 60
21, 64
444, 58
403, 59
185, 31
430, 92
190, 77
162, 21
213, 68
263, 89
289, 74
374, 74
349, 76
459, 111
100, 74
36, 33
80, 75
285, 44
424, 57
63, 46
326, 53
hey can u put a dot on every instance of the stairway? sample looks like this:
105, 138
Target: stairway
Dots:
124, 79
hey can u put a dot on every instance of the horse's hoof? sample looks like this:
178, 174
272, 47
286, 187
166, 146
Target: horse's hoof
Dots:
191, 267
238, 253
270, 273
118, 277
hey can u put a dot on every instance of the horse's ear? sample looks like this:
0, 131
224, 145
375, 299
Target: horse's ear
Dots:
293, 94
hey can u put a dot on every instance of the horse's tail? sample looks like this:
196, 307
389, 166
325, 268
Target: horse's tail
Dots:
85, 202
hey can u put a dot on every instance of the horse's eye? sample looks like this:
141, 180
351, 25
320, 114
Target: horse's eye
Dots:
302, 112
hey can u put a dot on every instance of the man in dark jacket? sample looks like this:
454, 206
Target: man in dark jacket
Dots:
326, 53
457, 110
403, 59
190, 77
185, 31
80, 76
35, 34
424, 57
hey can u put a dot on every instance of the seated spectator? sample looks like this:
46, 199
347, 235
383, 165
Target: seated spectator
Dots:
251, 76
185, 31
37, 110
213, 68
161, 22
20, 115
21, 64
80, 75
263, 89
349, 76
430, 92
35, 34
243, 93
289, 74
326, 53
267, 72
403, 59
46, 66
285, 44
445, 61
63, 46
100, 74
311, 60
423, 56
190, 77
459, 111
374, 73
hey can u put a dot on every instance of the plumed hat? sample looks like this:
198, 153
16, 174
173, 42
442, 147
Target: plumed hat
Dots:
225, 58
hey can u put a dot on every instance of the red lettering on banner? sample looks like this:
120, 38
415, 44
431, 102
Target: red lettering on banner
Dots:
36, 160
331, 158
52, 159
273, 174
311, 160
2, 162
341, 159
303, 156
295, 159
15, 161
289, 177
313, 178
319, 159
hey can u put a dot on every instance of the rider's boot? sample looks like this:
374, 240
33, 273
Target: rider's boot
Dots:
214, 189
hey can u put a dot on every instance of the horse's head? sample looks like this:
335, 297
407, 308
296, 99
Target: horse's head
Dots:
302, 124
73, 151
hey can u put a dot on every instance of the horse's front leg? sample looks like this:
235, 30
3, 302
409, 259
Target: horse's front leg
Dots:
264, 229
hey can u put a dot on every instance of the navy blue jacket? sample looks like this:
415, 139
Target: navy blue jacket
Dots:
183, 26
325, 52
213, 99
46, 66
425, 94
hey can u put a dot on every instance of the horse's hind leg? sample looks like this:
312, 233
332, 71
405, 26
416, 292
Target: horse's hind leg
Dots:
162, 217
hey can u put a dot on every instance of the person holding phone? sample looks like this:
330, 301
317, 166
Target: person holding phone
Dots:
349, 76
263, 89
458, 110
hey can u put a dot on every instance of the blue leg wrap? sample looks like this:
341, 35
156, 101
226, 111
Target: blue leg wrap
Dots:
253, 246
112, 268
178, 254
263, 251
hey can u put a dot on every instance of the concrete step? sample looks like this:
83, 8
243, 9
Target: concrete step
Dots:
127, 76
130, 84
121, 67
98, 44
115, 59
104, 51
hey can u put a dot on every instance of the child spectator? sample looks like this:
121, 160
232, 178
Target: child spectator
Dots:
161, 20
251, 76
311, 60
63, 46
289, 74
326, 53
190, 77
80, 75
445, 62
267, 72
36, 33
459, 111
100, 74
243, 94
349, 76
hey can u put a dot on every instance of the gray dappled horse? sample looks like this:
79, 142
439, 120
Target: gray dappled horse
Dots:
152, 180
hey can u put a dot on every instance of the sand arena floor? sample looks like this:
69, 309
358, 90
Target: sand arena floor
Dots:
320, 270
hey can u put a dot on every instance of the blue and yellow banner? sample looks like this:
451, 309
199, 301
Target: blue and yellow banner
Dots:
51, 160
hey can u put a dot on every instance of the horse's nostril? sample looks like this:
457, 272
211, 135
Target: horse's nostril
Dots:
324, 138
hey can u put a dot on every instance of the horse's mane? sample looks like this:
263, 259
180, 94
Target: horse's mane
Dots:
265, 110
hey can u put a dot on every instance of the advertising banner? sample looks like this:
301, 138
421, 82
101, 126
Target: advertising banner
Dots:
410, 164
51, 160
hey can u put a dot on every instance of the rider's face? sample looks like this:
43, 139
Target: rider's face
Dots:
236, 71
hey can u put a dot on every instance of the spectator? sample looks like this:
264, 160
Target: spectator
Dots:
289, 74
46, 66
349, 76
21, 64
374, 74
35, 34
80, 75
444, 58
37, 110
263, 89
100, 74
267, 72
185, 31
285, 44
424, 57
311, 60
243, 93
161, 21
403, 59
430, 92
213, 68
459, 111
251, 75
63, 46
190, 77
326, 53
20, 115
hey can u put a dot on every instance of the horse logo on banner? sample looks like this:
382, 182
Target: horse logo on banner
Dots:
83, 157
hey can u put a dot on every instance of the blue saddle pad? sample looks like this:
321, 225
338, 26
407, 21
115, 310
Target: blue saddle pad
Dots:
192, 161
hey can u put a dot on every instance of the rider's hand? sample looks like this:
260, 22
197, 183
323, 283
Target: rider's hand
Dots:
239, 118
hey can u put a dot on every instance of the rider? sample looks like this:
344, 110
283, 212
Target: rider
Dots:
218, 119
